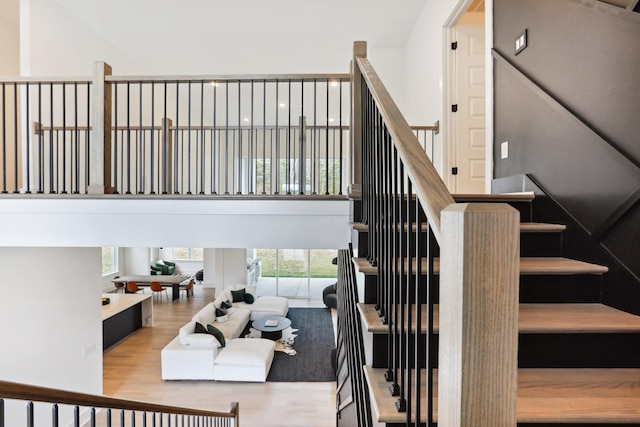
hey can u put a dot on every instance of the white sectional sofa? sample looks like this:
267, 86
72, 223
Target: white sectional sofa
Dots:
200, 356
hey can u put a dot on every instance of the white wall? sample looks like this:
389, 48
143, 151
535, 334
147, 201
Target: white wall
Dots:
423, 100
51, 319
230, 268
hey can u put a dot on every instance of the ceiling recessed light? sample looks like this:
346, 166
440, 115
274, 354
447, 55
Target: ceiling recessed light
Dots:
245, 119
282, 104
334, 83
330, 119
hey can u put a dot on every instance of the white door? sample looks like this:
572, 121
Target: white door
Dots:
468, 151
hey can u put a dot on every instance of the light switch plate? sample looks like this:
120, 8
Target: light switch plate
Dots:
521, 42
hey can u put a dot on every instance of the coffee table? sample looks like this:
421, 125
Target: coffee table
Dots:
271, 332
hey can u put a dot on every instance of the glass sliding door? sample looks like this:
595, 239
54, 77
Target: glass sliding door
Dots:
296, 273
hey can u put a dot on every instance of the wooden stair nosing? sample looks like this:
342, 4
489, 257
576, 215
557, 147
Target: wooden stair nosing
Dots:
545, 395
536, 318
530, 266
525, 227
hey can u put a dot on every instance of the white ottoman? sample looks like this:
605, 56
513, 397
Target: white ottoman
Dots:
269, 306
244, 359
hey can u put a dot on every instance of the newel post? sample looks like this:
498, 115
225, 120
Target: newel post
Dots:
478, 338
100, 149
359, 51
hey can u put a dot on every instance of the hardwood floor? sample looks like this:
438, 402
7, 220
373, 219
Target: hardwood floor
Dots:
132, 371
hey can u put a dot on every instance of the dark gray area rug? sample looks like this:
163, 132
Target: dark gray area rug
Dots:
313, 344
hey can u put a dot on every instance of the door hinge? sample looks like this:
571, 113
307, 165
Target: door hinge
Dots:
454, 108
454, 171
454, 45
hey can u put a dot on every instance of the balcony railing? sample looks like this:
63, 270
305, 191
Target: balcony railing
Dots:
28, 405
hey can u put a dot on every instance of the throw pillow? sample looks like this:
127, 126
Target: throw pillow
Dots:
200, 329
216, 333
226, 304
248, 298
238, 296
221, 315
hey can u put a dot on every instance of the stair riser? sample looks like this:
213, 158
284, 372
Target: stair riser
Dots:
540, 244
561, 350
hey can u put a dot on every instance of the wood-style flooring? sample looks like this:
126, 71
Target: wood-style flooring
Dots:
132, 371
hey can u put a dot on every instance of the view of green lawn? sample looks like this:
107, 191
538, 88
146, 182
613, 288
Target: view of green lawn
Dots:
295, 263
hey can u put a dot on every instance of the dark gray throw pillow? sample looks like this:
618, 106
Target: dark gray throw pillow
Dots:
216, 333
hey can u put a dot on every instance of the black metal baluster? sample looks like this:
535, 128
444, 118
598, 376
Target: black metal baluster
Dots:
141, 146
326, 152
239, 187
303, 138
202, 140
213, 141
128, 131
52, 188
165, 143
314, 182
175, 142
30, 416
64, 138
341, 160
115, 136
88, 139
277, 159
40, 143
226, 139
28, 133
251, 154
55, 416
93, 417
76, 140
152, 190
76, 416
288, 150
188, 138
264, 137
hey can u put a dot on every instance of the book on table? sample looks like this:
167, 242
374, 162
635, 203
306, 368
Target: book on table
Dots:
271, 323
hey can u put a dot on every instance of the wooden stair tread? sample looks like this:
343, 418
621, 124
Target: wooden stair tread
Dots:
544, 396
529, 266
537, 318
499, 197
525, 227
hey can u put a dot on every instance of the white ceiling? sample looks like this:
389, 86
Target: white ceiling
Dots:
383, 23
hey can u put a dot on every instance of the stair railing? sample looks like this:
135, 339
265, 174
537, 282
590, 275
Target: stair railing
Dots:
418, 236
89, 409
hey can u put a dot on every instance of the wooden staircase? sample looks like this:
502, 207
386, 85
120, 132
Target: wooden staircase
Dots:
579, 360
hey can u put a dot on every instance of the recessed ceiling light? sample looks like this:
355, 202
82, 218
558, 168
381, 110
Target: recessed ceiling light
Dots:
246, 119
334, 83
282, 104
330, 119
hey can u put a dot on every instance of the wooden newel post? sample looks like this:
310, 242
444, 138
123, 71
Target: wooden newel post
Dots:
359, 51
166, 184
478, 338
100, 149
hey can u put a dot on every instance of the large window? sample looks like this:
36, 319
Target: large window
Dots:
296, 273
187, 254
109, 260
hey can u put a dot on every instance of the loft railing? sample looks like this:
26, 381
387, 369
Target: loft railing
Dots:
31, 406
268, 134
428, 252
203, 135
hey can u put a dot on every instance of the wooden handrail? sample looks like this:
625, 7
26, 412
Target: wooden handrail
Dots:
429, 187
257, 78
11, 390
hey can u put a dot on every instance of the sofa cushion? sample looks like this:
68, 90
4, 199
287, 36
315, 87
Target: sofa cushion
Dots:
237, 295
207, 314
201, 340
246, 352
187, 329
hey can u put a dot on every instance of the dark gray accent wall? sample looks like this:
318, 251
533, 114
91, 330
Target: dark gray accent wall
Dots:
569, 105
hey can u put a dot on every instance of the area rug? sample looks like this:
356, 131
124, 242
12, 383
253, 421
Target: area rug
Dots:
309, 357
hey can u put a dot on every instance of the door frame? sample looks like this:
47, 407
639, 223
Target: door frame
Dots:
449, 92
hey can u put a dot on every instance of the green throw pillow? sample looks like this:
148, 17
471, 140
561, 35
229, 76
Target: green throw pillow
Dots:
238, 296
248, 298
216, 333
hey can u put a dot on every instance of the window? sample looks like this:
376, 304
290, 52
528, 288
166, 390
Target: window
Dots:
188, 254
109, 260
296, 273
